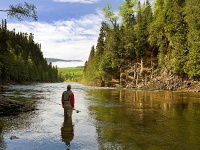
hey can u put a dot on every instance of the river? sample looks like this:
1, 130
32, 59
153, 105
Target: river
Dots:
110, 119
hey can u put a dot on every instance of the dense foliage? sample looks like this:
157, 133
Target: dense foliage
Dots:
71, 74
138, 34
21, 59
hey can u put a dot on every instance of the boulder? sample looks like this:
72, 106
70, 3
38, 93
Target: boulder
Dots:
12, 107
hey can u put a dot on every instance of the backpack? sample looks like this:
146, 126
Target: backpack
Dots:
67, 95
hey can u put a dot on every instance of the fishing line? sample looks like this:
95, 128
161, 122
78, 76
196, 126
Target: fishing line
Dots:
77, 111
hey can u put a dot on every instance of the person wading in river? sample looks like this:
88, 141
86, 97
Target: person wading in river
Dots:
68, 102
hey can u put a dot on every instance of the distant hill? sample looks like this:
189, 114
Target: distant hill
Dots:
61, 60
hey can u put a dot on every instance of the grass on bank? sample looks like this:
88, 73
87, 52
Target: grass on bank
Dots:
71, 74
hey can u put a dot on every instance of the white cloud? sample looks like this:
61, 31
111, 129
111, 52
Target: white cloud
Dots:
78, 1
69, 39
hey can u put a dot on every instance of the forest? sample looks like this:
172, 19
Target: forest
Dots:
71, 74
21, 59
144, 41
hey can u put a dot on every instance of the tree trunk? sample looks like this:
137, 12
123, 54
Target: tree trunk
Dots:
142, 65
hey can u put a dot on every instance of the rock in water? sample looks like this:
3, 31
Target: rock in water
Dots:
10, 107
13, 137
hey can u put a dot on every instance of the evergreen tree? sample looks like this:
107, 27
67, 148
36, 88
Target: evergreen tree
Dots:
21, 11
157, 35
100, 48
176, 30
192, 16
140, 33
111, 57
166, 37
101, 40
92, 54
126, 12
4, 53
21, 59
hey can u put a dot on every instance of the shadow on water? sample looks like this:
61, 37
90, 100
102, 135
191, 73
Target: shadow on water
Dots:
67, 132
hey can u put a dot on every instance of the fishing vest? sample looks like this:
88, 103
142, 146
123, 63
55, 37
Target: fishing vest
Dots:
67, 95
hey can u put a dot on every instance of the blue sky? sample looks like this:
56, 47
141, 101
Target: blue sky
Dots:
66, 29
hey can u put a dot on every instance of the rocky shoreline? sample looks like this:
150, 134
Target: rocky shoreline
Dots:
12, 107
160, 82
173, 83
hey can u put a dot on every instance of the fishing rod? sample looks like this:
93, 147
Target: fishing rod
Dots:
77, 111
53, 102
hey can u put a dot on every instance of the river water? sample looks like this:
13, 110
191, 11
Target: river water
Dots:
110, 119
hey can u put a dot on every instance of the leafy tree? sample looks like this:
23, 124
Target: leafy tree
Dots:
108, 14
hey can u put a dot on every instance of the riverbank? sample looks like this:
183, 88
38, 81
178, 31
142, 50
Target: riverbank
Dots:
13, 107
147, 119
173, 83
159, 82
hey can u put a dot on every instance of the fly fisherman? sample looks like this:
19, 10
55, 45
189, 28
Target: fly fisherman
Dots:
68, 102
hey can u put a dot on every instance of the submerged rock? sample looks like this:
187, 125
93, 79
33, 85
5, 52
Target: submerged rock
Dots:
14, 137
12, 107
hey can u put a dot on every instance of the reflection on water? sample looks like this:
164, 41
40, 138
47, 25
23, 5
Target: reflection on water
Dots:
127, 119
44, 128
67, 132
119, 119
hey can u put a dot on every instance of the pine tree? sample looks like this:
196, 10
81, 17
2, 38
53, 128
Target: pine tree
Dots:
140, 33
143, 19
157, 35
101, 40
127, 10
92, 54
21, 11
111, 57
4, 53
21, 59
192, 16
176, 29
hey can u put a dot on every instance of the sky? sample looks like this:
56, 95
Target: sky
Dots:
66, 29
